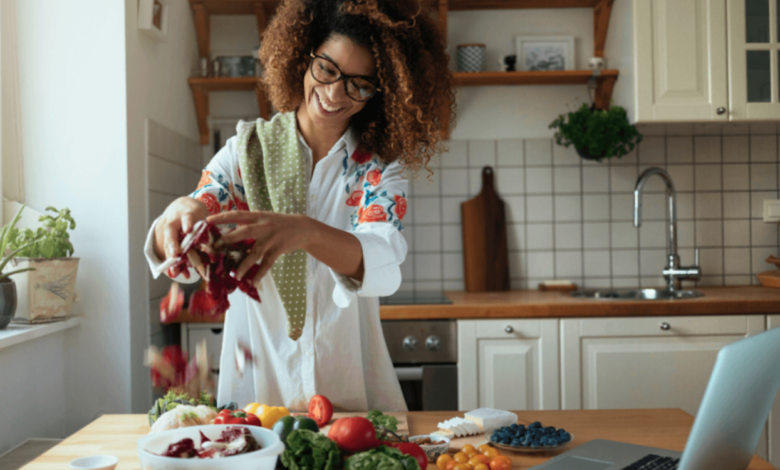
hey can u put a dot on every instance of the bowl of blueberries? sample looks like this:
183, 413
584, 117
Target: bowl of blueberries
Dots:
533, 438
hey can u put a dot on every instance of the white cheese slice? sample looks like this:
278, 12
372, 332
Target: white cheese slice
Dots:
459, 427
446, 434
488, 418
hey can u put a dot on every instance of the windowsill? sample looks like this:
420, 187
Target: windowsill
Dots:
16, 333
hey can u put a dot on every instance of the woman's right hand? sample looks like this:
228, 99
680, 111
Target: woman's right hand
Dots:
179, 217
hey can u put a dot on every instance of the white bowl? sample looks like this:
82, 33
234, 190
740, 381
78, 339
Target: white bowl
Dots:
151, 446
95, 462
433, 451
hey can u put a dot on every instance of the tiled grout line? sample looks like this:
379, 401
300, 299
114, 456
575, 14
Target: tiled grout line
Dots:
609, 189
750, 203
582, 222
722, 212
524, 252
638, 231
696, 222
554, 220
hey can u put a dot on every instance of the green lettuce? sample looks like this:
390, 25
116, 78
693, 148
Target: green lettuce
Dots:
308, 450
379, 419
382, 458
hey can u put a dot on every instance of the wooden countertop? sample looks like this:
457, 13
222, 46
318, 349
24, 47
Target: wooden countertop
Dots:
537, 304
117, 434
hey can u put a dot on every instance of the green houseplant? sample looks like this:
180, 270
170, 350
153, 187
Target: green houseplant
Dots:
47, 293
596, 133
8, 297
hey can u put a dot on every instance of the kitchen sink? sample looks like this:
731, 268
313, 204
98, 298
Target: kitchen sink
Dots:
636, 294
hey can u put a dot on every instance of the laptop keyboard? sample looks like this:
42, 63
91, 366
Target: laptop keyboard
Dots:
654, 462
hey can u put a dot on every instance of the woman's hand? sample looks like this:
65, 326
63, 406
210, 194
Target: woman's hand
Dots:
274, 235
179, 217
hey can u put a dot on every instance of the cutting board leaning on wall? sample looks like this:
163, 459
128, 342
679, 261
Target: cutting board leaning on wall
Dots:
485, 255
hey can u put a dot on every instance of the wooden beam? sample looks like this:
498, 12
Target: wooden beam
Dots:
445, 113
202, 28
261, 15
263, 103
601, 14
604, 88
201, 97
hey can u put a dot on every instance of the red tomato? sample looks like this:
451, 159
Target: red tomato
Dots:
354, 434
320, 410
410, 448
237, 417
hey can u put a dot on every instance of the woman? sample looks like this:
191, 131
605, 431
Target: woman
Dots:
360, 85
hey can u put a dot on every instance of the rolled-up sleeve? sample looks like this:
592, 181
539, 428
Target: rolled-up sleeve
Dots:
377, 224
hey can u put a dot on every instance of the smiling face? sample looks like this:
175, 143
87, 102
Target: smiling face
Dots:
329, 106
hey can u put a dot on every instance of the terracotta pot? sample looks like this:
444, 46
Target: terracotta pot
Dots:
7, 302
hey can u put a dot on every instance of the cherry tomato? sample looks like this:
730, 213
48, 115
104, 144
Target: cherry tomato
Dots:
320, 410
481, 466
490, 452
500, 463
483, 447
461, 466
482, 459
467, 449
450, 465
442, 461
474, 461
460, 457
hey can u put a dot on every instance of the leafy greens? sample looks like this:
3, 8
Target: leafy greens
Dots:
379, 420
382, 458
307, 450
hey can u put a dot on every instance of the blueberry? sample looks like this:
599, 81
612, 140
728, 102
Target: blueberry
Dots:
515, 443
566, 437
521, 428
535, 424
544, 441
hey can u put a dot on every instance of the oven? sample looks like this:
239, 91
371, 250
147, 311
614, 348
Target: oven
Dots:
425, 358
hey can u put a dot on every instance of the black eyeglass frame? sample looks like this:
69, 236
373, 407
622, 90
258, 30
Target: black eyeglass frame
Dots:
343, 76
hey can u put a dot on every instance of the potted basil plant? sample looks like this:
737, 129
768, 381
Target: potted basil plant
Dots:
596, 133
46, 289
8, 297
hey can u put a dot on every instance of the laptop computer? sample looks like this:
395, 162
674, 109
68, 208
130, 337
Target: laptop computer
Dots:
726, 430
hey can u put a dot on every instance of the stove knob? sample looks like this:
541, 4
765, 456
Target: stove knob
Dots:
433, 343
410, 343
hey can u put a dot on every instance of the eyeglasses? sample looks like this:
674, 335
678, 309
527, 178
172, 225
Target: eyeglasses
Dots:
358, 87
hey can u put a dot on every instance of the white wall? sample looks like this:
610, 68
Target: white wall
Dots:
156, 89
72, 80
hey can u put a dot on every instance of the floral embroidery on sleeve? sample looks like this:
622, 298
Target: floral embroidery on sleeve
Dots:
219, 194
210, 201
371, 202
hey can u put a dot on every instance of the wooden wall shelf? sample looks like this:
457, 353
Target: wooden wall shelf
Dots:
200, 92
263, 9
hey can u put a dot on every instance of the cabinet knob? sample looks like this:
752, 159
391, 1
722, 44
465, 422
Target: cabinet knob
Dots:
721, 110
433, 343
410, 343
509, 329
665, 326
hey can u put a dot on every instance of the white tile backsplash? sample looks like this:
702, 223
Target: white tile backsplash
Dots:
573, 219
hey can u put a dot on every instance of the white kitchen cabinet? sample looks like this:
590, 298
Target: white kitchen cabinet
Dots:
680, 54
193, 333
508, 364
753, 59
646, 362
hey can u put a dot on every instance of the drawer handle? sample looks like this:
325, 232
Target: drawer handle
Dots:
509, 329
665, 326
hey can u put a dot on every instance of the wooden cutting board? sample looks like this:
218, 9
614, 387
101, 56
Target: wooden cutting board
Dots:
403, 421
485, 257
769, 278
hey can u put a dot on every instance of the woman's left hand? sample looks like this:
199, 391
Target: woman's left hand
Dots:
274, 235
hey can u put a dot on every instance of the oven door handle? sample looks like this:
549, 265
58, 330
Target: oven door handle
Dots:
409, 373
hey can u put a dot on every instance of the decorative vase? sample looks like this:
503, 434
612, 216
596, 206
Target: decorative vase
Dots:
586, 155
7, 302
471, 58
47, 293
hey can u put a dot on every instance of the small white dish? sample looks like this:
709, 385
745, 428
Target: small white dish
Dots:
95, 462
433, 451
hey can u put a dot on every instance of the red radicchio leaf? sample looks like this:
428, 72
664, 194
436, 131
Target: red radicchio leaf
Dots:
184, 449
169, 368
171, 304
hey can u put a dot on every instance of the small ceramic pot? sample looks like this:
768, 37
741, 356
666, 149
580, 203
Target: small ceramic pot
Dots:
7, 302
586, 155
471, 58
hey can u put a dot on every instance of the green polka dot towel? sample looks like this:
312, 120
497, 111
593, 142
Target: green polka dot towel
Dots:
273, 171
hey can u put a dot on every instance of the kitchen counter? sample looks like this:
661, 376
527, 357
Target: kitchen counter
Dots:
537, 304
117, 434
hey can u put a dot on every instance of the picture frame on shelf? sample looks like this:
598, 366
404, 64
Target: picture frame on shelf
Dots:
153, 18
235, 64
545, 53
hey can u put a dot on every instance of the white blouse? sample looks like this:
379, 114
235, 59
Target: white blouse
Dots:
342, 353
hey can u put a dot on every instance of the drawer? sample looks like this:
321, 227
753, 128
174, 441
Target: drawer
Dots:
667, 326
213, 336
510, 328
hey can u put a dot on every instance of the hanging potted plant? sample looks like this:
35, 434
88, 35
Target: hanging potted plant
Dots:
596, 133
8, 297
46, 291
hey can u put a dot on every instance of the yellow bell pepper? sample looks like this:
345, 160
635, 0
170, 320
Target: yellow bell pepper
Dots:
271, 415
268, 414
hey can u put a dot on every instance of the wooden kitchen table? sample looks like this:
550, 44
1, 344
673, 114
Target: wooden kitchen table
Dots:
117, 434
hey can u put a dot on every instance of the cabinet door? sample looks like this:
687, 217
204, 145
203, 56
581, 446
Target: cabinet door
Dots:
680, 60
753, 56
625, 363
508, 364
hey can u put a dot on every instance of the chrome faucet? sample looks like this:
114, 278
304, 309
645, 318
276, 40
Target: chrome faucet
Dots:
673, 273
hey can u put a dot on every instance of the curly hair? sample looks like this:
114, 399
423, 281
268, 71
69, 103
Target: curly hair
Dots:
404, 121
